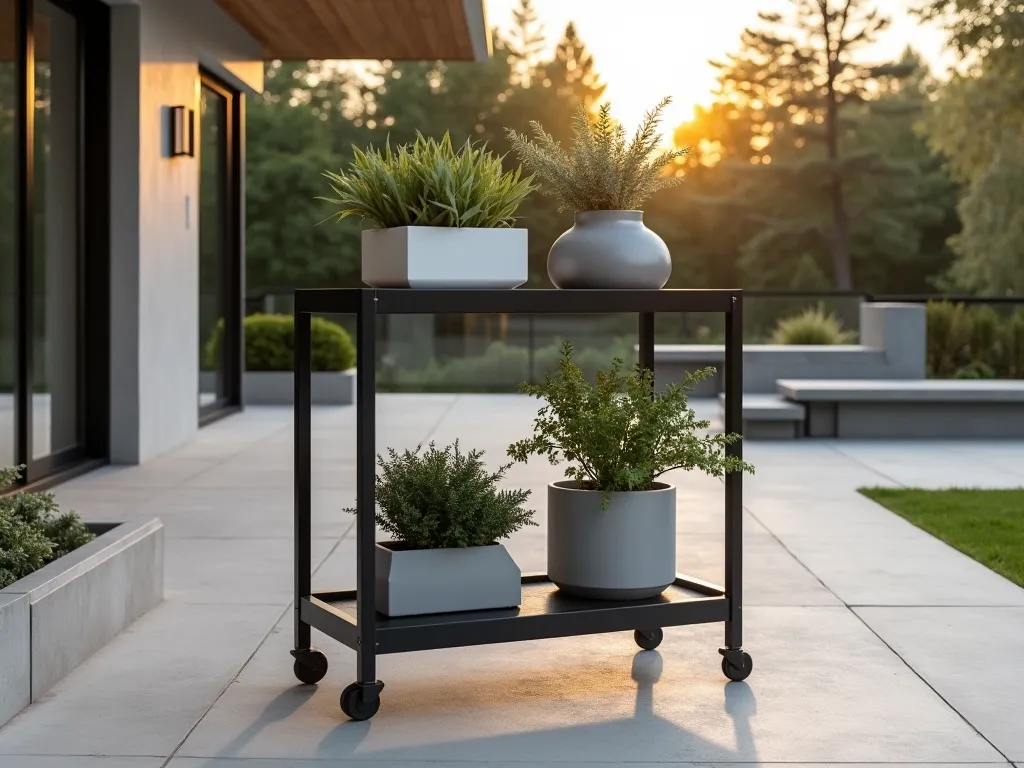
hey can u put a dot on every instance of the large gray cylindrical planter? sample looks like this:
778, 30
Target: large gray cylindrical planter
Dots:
412, 582
624, 552
609, 249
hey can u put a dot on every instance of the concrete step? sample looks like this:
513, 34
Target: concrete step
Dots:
769, 417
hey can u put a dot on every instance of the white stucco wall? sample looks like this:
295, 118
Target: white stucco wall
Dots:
157, 49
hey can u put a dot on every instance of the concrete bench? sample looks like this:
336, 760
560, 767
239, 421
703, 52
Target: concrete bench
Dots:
768, 417
892, 347
916, 409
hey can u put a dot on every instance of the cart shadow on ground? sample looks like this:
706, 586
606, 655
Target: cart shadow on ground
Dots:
614, 739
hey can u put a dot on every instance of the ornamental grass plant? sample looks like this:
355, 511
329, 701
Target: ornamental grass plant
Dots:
812, 326
603, 171
444, 498
620, 434
429, 183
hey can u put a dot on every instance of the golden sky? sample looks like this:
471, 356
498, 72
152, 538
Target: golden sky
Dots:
647, 49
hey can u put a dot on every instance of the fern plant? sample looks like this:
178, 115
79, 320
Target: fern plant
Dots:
812, 326
616, 436
429, 183
603, 171
32, 530
441, 498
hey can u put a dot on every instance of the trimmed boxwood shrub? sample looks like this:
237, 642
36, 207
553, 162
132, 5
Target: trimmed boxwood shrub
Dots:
269, 344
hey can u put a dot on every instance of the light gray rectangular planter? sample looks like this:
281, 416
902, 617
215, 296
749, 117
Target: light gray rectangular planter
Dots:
56, 618
412, 582
444, 257
278, 387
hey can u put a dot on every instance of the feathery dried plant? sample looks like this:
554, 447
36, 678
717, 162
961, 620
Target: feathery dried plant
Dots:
603, 171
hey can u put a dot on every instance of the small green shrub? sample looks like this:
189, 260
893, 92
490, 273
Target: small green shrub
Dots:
270, 339
428, 183
32, 531
812, 326
445, 498
621, 434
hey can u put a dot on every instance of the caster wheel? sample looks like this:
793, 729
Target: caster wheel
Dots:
648, 639
357, 704
738, 673
310, 666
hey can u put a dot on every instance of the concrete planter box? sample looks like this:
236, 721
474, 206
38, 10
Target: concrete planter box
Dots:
56, 618
278, 387
444, 257
624, 552
413, 582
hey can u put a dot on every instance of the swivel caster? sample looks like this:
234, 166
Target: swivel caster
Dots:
736, 664
310, 665
648, 639
361, 701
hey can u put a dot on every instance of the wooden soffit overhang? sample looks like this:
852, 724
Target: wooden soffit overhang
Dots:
299, 30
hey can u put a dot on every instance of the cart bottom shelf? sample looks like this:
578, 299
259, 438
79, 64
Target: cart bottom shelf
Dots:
545, 612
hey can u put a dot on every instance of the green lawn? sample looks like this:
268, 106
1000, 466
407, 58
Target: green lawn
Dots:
986, 525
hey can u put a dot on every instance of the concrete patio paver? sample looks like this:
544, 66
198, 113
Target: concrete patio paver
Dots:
205, 680
969, 655
598, 699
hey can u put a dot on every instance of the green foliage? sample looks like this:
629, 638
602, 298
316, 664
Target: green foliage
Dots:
499, 369
428, 183
32, 530
974, 342
812, 326
270, 344
603, 171
620, 434
437, 499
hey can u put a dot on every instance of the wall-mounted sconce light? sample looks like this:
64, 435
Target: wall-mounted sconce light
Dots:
183, 133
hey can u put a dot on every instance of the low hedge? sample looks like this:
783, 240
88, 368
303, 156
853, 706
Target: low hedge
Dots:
500, 369
269, 344
974, 342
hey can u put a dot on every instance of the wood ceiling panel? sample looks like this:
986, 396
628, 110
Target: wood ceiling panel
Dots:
356, 29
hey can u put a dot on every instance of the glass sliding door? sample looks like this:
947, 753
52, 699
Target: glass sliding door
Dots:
219, 253
57, 301
54, 246
8, 236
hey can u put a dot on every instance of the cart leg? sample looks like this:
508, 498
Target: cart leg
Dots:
736, 665
310, 664
361, 700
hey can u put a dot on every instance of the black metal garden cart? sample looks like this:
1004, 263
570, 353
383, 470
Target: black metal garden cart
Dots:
350, 617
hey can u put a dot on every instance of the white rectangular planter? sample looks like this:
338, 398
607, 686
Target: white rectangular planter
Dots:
56, 618
412, 582
444, 257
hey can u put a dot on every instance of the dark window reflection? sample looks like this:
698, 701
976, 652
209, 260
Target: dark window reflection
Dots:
56, 412
213, 121
8, 149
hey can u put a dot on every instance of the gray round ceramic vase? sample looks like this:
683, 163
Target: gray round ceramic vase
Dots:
609, 249
624, 552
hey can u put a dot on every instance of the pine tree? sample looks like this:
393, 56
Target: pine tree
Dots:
525, 43
797, 79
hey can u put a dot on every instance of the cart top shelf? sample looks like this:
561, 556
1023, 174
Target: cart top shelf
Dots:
516, 301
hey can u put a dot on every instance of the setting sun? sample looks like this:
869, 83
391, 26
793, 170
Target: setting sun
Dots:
649, 49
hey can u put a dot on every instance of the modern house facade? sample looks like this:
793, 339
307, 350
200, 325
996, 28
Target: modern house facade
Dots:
122, 188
